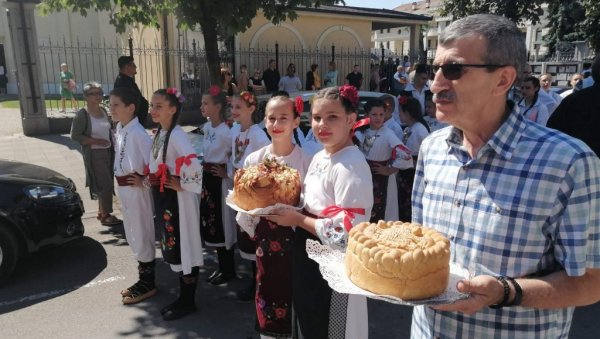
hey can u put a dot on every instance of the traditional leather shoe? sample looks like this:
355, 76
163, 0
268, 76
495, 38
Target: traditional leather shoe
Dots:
212, 276
222, 278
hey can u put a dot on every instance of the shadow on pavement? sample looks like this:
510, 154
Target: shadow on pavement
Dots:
61, 140
53, 272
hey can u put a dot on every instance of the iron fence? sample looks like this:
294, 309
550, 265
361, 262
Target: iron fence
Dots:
183, 66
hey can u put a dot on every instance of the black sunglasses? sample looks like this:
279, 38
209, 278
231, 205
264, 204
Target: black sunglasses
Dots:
455, 71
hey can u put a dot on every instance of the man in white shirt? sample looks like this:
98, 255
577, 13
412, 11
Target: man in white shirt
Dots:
418, 88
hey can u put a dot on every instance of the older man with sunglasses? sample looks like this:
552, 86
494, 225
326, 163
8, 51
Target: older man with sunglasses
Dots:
518, 201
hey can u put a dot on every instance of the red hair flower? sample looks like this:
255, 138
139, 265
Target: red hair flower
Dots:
174, 91
299, 104
248, 98
214, 90
402, 100
349, 93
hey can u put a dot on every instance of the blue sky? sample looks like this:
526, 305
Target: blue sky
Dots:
388, 4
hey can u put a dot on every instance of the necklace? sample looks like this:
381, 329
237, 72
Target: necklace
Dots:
240, 147
157, 144
369, 142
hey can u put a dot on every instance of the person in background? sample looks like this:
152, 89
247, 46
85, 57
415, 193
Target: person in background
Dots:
313, 79
575, 79
243, 80
578, 115
530, 105
125, 78
415, 131
217, 225
355, 78
92, 129
331, 77
385, 155
518, 201
290, 82
390, 109
271, 77
68, 87
227, 83
256, 84
433, 123
546, 84
375, 79
418, 88
400, 80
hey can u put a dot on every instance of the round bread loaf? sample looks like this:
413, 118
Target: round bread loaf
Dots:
266, 184
399, 259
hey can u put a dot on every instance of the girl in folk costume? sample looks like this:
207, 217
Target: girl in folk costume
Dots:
247, 137
386, 155
133, 146
217, 224
415, 131
274, 244
338, 192
176, 177
530, 106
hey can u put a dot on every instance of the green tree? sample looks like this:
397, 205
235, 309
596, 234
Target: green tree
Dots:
564, 18
217, 19
591, 23
518, 11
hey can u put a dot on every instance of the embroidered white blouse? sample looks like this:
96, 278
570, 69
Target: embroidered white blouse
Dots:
132, 148
384, 145
340, 184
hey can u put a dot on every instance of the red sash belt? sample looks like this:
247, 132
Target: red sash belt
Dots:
122, 180
348, 214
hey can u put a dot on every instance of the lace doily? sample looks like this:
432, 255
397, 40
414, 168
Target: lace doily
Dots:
332, 267
249, 219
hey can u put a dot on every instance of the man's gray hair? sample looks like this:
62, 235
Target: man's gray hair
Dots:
91, 85
505, 42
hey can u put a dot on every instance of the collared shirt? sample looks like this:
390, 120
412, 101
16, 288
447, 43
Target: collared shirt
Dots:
526, 205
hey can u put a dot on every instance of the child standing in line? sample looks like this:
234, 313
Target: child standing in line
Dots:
176, 178
415, 132
386, 155
274, 244
338, 192
247, 137
217, 225
430, 118
132, 148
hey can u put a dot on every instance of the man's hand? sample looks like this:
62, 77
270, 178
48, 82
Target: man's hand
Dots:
483, 290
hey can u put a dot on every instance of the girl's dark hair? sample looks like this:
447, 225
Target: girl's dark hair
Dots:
219, 99
173, 102
333, 93
127, 95
413, 108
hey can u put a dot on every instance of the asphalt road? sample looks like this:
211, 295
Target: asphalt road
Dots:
73, 292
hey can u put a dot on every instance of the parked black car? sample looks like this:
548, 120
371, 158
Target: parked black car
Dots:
38, 208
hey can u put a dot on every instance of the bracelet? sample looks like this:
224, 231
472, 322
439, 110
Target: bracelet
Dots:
504, 301
518, 292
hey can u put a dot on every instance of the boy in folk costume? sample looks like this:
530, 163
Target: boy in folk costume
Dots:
385, 154
132, 148
176, 179
217, 223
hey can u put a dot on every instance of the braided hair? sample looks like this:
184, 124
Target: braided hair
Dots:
173, 102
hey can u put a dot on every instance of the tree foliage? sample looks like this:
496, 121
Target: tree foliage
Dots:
564, 22
218, 19
518, 11
591, 23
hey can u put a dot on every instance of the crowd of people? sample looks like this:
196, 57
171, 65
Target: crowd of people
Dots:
462, 147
